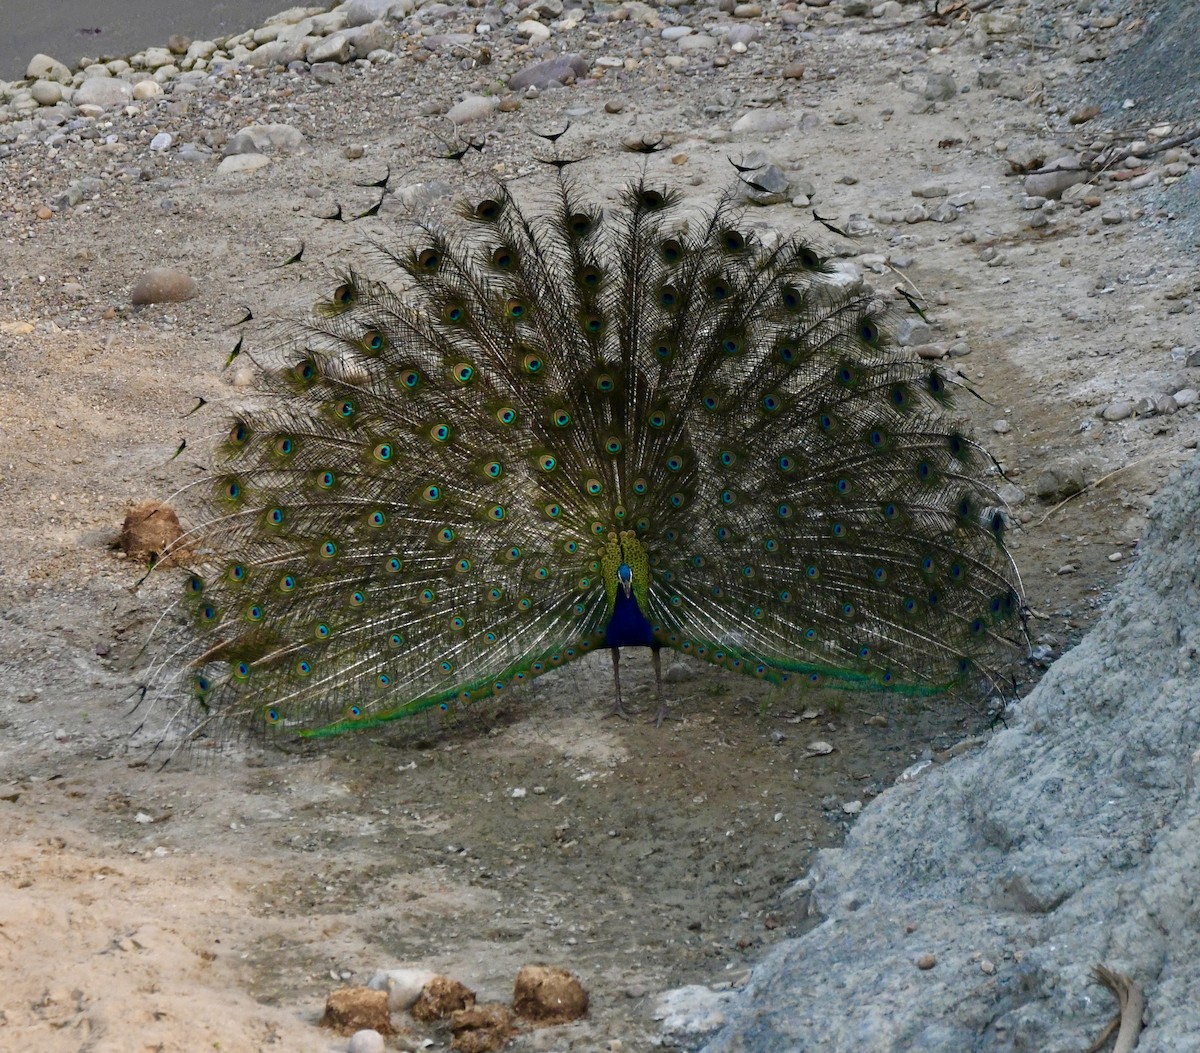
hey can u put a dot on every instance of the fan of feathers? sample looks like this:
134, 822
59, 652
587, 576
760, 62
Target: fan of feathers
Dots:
559, 428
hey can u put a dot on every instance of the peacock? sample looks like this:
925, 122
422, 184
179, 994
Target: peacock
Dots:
559, 428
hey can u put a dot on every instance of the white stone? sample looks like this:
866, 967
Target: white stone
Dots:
534, 30
403, 986
46, 92
472, 108
365, 1041
147, 89
43, 67
237, 164
108, 92
155, 57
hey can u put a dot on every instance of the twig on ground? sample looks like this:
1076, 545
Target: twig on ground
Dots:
1132, 1003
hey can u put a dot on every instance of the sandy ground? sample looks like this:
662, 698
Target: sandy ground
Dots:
214, 904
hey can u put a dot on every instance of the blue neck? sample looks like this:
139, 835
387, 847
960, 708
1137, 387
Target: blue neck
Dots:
628, 626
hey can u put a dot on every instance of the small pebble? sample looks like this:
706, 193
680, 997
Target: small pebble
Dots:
926, 961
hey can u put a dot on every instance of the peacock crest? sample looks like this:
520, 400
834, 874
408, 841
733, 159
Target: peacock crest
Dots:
564, 429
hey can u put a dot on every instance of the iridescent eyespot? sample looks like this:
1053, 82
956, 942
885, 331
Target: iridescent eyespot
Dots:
429, 259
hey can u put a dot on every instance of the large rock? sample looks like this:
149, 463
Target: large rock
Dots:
43, 67
107, 92
360, 12
1071, 839
563, 69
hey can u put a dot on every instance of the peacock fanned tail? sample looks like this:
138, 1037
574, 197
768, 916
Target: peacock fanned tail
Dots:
570, 429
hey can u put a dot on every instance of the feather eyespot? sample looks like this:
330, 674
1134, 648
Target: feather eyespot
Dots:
671, 251
487, 210
808, 258
733, 241
373, 341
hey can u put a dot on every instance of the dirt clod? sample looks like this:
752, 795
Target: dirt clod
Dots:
150, 528
351, 1009
440, 998
482, 1029
548, 995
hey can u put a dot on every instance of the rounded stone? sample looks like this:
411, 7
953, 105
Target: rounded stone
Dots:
147, 89
163, 285
43, 67
107, 92
366, 1041
46, 92
473, 108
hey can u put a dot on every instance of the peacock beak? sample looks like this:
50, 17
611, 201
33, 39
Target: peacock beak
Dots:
628, 587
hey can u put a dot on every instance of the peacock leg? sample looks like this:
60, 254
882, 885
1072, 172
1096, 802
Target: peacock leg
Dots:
618, 709
656, 655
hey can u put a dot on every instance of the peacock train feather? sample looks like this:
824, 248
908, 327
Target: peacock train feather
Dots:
571, 429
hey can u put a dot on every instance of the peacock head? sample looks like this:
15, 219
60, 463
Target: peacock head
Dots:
625, 579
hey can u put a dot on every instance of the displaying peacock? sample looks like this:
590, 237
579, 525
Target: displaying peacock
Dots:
568, 429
